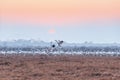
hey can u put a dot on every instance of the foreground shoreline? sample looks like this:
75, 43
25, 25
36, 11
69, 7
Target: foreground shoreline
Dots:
59, 67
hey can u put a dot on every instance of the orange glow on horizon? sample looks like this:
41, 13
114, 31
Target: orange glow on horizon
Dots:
52, 31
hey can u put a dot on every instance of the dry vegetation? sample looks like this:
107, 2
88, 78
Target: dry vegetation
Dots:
67, 67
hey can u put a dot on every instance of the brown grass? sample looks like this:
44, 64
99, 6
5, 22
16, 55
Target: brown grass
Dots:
41, 67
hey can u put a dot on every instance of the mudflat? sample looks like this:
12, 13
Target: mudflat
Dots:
59, 67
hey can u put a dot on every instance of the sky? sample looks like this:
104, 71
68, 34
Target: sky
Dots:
69, 20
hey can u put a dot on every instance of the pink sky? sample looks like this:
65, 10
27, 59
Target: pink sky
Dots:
71, 20
58, 11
